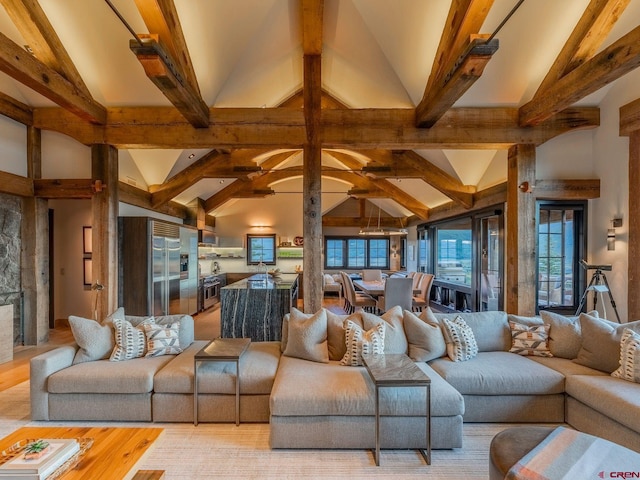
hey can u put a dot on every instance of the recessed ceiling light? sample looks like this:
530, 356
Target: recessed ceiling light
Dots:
221, 182
192, 155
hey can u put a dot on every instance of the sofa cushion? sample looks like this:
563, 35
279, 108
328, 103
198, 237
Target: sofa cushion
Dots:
307, 337
565, 366
360, 342
490, 329
304, 388
524, 320
425, 339
461, 343
499, 373
130, 341
629, 368
601, 342
161, 339
612, 397
565, 336
530, 340
104, 376
258, 366
96, 341
395, 340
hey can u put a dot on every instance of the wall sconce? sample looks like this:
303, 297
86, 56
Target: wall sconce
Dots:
611, 233
394, 250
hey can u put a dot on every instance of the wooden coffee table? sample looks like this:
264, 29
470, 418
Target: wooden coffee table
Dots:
113, 455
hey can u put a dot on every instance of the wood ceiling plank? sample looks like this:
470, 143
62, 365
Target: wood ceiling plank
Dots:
312, 23
613, 62
591, 30
15, 110
16, 185
630, 118
165, 127
42, 39
23, 67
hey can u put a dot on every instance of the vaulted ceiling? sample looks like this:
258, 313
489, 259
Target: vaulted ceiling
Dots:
419, 101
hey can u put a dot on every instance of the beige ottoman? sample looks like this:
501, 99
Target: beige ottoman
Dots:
510, 445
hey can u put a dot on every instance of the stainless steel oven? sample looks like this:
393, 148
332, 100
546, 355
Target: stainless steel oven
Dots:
210, 291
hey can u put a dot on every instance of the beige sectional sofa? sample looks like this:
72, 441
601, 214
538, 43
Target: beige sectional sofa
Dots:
322, 404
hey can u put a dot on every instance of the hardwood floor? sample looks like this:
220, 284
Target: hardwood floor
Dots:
206, 327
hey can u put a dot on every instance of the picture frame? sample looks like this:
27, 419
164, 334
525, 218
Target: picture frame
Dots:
87, 240
87, 271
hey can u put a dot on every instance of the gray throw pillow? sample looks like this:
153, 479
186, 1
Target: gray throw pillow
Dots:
395, 340
96, 341
336, 333
307, 337
426, 341
601, 342
565, 335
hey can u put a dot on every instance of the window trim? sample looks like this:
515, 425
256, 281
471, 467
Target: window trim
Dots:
345, 252
270, 236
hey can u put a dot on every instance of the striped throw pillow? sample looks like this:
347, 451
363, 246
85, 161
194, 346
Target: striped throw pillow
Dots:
360, 342
530, 340
461, 342
130, 341
629, 368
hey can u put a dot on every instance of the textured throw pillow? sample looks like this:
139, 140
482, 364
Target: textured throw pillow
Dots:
162, 339
425, 339
95, 340
461, 343
530, 340
629, 368
130, 341
601, 342
360, 342
308, 337
565, 335
395, 340
526, 321
335, 334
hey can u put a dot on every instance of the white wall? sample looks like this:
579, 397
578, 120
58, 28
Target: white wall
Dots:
13, 147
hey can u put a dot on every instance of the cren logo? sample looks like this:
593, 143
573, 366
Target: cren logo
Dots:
601, 474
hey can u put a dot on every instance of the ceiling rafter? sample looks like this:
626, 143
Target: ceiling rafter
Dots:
15, 110
460, 59
312, 23
16, 62
581, 77
166, 61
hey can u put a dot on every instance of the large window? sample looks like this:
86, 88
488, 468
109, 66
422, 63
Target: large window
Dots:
261, 249
453, 251
560, 249
356, 252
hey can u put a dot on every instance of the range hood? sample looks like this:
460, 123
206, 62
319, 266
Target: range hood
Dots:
207, 238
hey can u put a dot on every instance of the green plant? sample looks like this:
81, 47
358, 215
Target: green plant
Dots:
36, 447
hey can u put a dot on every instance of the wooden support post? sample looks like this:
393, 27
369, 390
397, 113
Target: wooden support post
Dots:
104, 173
35, 251
312, 186
521, 230
633, 292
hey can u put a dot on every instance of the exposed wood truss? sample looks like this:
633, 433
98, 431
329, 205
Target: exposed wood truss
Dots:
15, 110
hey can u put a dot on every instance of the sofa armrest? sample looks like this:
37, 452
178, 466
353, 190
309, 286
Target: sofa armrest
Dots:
41, 367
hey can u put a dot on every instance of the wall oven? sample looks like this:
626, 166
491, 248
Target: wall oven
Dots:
210, 291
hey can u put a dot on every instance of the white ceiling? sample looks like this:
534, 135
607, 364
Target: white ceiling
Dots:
247, 53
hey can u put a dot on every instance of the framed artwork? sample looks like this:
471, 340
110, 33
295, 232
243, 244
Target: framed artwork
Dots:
87, 240
87, 271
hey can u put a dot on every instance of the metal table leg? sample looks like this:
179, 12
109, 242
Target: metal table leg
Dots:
195, 393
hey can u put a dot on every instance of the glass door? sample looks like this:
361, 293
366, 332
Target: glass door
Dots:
489, 273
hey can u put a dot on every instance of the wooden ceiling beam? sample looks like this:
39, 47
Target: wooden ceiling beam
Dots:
227, 193
630, 118
16, 185
312, 23
455, 68
362, 222
68, 188
165, 127
15, 110
42, 39
610, 64
583, 189
161, 70
25, 68
592, 29
402, 198
141, 198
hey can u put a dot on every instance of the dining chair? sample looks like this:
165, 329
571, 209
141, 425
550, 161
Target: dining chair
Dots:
355, 299
417, 277
330, 284
372, 275
397, 291
422, 299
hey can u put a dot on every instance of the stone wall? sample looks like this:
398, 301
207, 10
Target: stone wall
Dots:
10, 252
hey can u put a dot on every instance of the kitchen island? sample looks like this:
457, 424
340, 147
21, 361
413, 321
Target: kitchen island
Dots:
254, 307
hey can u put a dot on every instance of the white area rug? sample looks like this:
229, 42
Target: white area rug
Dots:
225, 451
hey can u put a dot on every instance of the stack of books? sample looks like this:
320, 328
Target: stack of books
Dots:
21, 467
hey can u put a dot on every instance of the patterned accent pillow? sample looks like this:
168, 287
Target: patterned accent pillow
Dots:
360, 342
461, 342
130, 340
530, 340
629, 368
162, 339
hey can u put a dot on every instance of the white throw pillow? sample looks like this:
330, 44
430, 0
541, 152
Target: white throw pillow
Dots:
426, 340
395, 340
95, 340
530, 339
130, 341
629, 368
307, 337
461, 343
162, 339
360, 342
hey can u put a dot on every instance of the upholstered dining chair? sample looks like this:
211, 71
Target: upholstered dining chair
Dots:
421, 300
397, 291
330, 284
372, 275
355, 299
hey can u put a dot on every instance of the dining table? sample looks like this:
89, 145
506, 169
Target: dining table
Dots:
375, 288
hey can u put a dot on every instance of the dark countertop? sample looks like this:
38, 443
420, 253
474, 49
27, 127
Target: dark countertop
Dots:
264, 281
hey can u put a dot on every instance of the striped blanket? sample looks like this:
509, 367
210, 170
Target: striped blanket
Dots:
571, 455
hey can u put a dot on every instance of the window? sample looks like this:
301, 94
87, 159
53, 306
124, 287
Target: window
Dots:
560, 248
356, 252
453, 251
261, 248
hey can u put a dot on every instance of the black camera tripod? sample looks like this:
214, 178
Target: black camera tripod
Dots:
598, 284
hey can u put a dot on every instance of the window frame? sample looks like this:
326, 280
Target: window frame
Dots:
272, 249
367, 253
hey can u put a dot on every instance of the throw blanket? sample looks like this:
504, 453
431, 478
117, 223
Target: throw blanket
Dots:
569, 455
